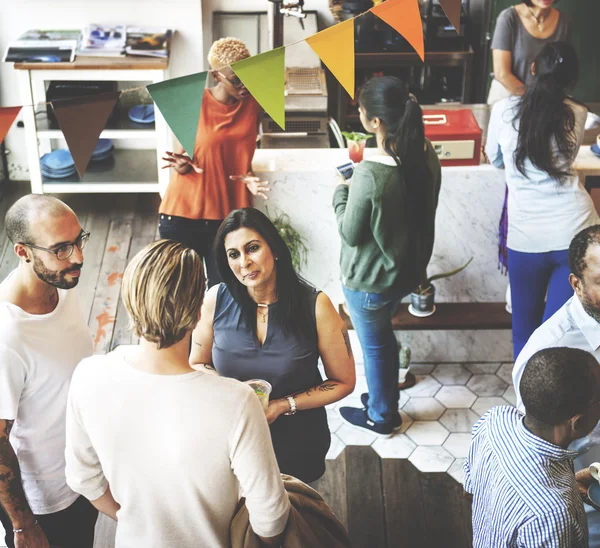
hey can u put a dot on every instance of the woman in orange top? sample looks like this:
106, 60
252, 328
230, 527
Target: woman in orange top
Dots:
219, 178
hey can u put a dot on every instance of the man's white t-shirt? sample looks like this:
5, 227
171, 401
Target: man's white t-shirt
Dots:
176, 450
38, 354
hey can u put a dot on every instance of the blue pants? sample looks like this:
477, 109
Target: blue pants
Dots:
539, 286
371, 315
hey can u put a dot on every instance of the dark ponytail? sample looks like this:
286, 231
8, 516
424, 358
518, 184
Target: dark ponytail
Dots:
546, 123
388, 99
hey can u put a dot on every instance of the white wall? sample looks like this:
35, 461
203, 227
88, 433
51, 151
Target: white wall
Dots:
17, 16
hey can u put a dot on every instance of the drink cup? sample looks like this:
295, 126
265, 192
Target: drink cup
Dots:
262, 389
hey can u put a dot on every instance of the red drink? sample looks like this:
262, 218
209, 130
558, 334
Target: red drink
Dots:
356, 150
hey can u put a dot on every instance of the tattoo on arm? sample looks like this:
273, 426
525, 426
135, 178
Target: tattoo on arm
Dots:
327, 386
347, 341
208, 366
12, 496
196, 343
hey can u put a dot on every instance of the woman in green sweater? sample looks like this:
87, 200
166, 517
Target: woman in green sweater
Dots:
386, 219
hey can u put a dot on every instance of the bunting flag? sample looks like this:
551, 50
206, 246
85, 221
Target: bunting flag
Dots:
7, 117
264, 76
179, 101
82, 120
452, 10
404, 16
335, 47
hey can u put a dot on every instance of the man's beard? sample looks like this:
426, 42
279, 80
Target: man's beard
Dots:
54, 277
590, 310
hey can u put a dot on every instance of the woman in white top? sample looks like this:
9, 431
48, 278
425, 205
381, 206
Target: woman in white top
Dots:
164, 449
536, 138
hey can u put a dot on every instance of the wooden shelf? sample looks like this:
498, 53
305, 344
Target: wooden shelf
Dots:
459, 316
101, 63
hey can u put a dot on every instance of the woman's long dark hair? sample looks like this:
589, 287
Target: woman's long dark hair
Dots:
388, 99
546, 123
294, 313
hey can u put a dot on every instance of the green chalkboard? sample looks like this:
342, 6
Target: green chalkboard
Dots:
586, 39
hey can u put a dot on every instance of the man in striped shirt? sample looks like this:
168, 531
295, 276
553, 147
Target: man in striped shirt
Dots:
519, 469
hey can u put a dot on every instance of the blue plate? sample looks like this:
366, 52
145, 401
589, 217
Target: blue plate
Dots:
58, 159
102, 147
142, 114
595, 149
58, 171
594, 493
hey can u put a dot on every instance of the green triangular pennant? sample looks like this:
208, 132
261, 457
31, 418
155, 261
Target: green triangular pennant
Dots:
179, 101
264, 76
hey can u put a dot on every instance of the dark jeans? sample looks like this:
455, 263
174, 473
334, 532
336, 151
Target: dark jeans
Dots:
72, 527
539, 286
196, 234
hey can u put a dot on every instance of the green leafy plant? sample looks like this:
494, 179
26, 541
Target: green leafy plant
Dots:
425, 287
291, 237
356, 136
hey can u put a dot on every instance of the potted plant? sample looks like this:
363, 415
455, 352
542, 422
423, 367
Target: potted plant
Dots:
356, 144
291, 237
422, 299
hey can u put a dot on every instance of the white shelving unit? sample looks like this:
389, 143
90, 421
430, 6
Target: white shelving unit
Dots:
130, 169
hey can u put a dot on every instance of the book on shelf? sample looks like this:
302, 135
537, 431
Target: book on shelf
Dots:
50, 46
103, 41
148, 42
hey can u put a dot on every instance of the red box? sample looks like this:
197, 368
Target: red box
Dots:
455, 135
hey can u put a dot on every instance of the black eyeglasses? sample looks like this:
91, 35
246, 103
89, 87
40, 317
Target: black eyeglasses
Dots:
235, 81
66, 250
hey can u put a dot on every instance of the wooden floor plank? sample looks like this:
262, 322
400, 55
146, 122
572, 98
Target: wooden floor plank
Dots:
404, 512
332, 487
144, 230
106, 298
366, 524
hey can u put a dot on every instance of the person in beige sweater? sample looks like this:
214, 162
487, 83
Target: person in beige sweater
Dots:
166, 450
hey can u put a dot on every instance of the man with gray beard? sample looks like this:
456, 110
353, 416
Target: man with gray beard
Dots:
43, 336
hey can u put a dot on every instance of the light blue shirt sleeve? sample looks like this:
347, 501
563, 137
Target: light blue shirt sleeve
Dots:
492, 145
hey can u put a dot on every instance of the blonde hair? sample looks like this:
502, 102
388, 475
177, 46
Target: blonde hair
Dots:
162, 290
226, 51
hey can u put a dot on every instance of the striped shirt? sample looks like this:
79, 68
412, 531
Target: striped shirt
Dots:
523, 487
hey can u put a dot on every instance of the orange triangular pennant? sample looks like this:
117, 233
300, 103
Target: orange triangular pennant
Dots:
81, 120
7, 117
335, 47
452, 10
404, 16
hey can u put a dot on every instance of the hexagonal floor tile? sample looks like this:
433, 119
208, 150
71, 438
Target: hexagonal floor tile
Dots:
505, 372
421, 368
426, 387
424, 409
407, 420
456, 397
354, 436
459, 420
431, 459
335, 449
457, 470
399, 446
510, 396
483, 405
458, 445
451, 373
482, 368
487, 385
427, 433
334, 420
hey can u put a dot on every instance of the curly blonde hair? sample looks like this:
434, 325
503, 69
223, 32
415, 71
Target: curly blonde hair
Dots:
226, 51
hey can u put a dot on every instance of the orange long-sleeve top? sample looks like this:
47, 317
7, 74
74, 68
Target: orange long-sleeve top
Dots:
225, 145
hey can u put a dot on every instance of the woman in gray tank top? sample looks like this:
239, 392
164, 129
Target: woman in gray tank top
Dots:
265, 322
520, 34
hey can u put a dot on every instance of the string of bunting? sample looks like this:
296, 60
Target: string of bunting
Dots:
179, 100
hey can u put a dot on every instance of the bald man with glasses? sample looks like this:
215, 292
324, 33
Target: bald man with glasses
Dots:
43, 336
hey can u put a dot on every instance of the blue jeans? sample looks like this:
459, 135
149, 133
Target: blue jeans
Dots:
539, 286
371, 315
